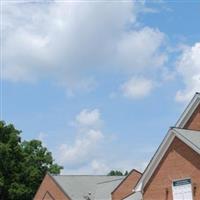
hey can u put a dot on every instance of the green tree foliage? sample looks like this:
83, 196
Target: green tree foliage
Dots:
23, 165
117, 173
126, 173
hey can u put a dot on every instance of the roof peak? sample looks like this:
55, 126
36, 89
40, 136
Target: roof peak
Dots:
189, 110
192, 140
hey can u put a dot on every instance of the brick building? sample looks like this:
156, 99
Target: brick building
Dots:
172, 174
86, 187
174, 171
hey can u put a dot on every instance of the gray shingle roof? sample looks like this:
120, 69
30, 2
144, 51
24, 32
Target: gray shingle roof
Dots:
79, 187
103, 191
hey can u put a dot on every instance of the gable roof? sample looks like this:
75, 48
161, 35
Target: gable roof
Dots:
130, 173
80, 186
189, 137
188, 111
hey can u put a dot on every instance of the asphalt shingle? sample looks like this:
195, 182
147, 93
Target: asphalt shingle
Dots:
84, 187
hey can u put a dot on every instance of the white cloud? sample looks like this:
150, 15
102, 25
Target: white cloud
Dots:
61, 40
82, 150
67, 42
137, 87
140, 50
188, 67
87, 141
88, 153
89, 118
99, 167
93, 167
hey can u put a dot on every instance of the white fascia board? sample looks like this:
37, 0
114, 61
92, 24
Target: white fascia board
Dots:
138, 188
155, 160
186, 141
188, 111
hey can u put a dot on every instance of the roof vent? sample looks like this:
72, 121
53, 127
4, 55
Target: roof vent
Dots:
88, 197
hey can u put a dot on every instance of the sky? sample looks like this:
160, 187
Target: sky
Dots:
99, 83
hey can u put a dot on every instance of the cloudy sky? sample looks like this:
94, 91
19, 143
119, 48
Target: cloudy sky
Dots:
98, 82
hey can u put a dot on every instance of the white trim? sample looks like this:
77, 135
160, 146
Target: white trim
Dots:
155, 160
188, 111
172, 133
173, 187
186, 141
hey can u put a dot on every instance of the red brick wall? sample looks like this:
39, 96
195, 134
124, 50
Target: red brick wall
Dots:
179, 162
194, 121
49, 190
126, 187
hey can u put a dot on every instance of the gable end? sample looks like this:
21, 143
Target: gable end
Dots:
188, 112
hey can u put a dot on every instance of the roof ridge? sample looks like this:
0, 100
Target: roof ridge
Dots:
111, 181
77, 175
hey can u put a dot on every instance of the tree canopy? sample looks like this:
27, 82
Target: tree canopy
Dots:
117, 173
23, 164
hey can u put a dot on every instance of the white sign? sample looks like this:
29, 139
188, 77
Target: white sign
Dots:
182, 190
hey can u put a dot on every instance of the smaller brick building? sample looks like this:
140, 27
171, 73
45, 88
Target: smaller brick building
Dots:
125, 188
86, 187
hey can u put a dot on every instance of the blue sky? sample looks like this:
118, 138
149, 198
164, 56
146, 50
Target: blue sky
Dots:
99, 83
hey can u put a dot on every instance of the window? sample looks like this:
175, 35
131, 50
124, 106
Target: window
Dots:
182, 189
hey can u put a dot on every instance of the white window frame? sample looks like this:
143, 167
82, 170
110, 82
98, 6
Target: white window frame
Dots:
183, 184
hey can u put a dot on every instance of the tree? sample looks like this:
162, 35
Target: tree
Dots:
11, 157
38, 161
126, 173
23, 165
117, 173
